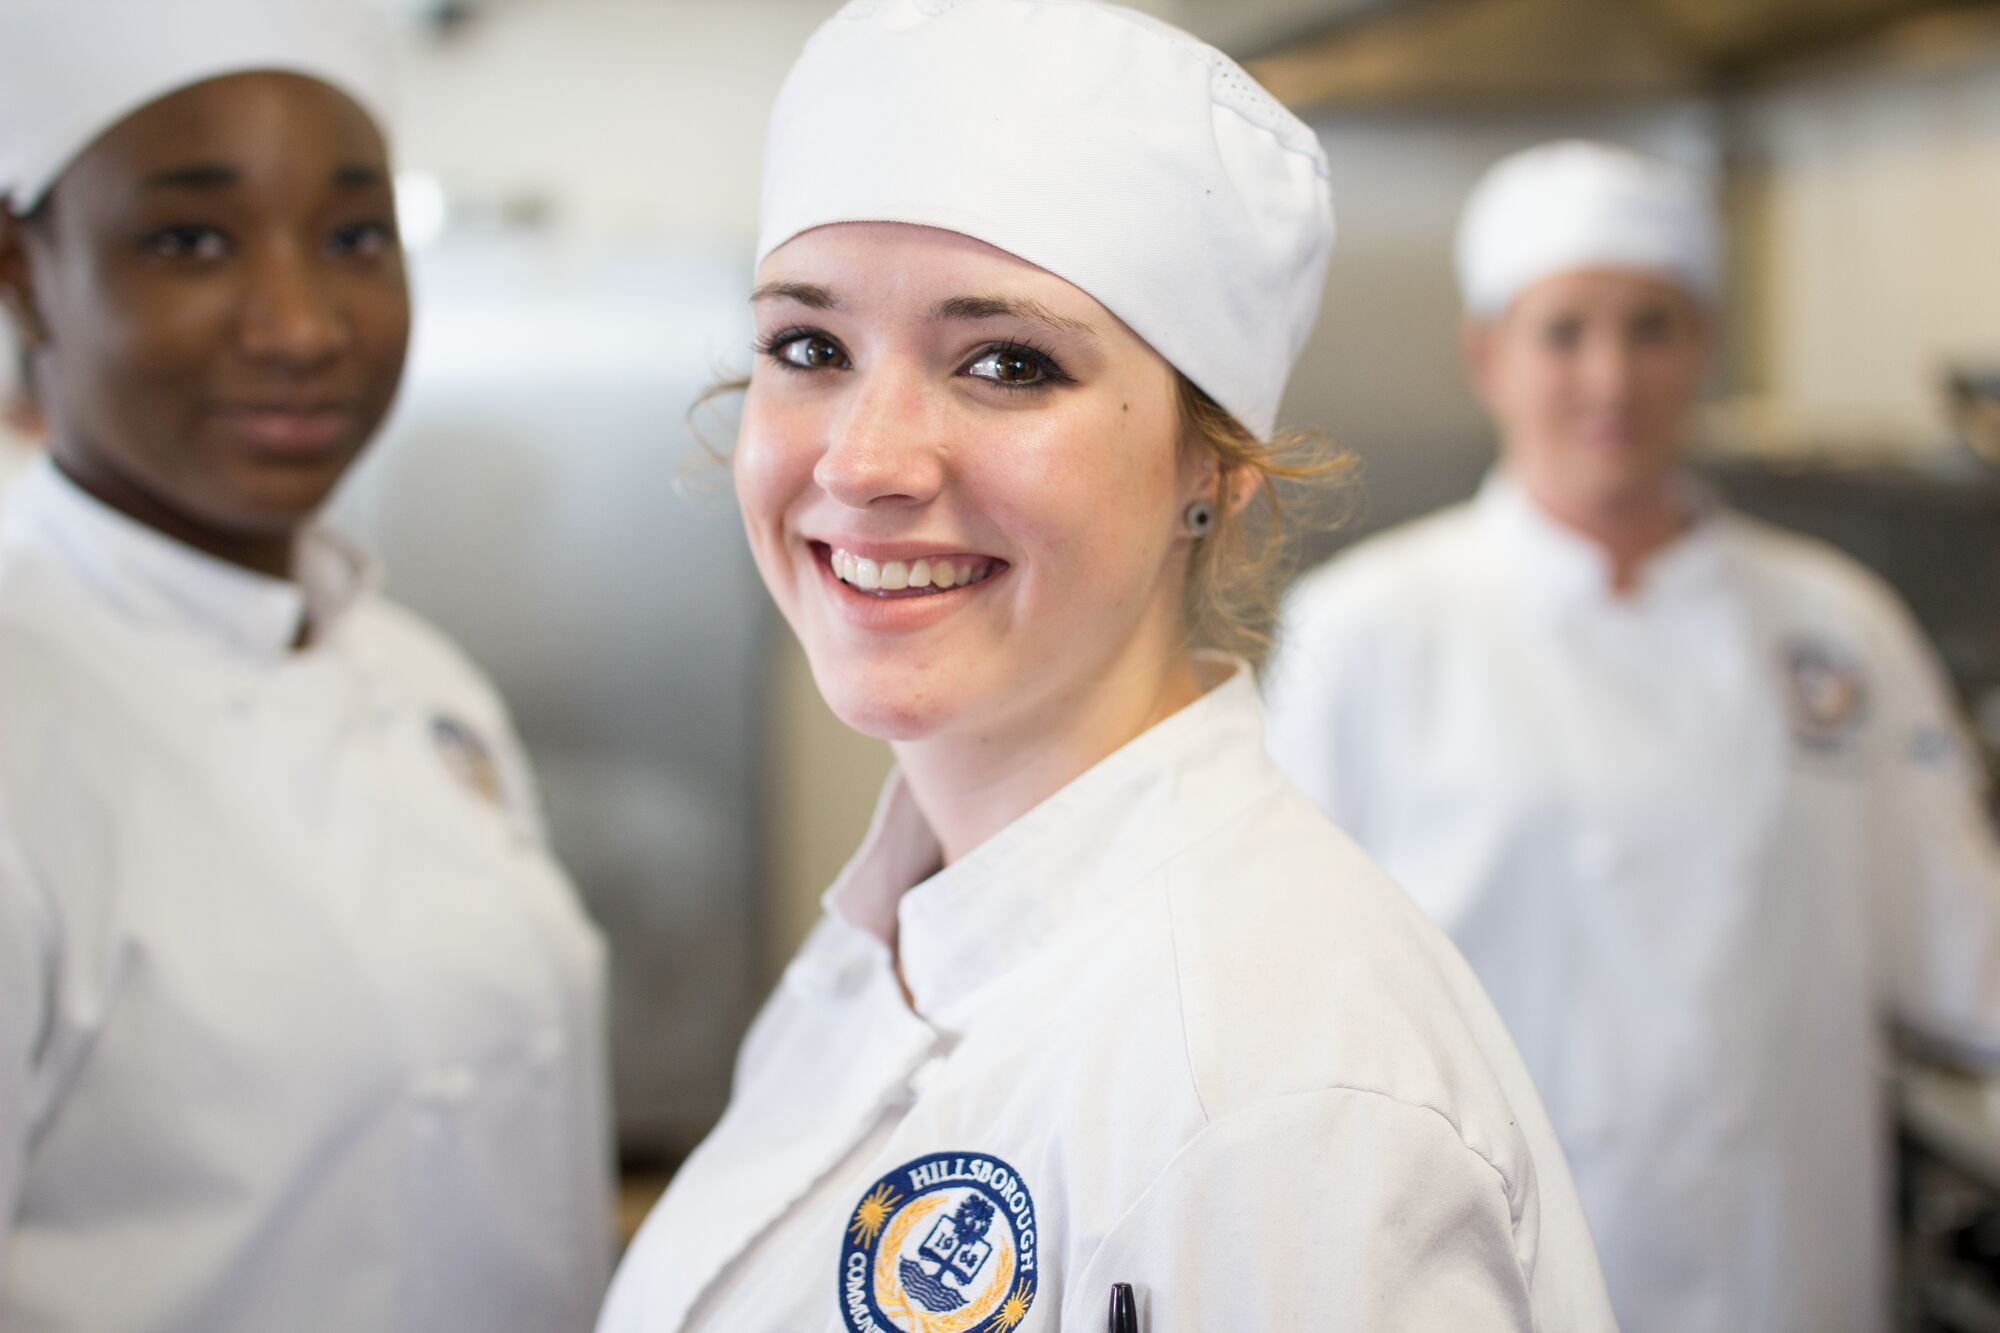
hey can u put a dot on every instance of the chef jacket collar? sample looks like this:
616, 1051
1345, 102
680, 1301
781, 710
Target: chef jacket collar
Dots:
165, 583
970, 923
1565, 574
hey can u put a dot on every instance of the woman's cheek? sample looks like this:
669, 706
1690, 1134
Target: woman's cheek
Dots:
772, 466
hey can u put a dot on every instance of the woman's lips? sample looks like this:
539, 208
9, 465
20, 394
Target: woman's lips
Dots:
286, 429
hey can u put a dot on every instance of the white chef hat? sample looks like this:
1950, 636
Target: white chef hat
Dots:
1574, 205
1112, 150
72, 69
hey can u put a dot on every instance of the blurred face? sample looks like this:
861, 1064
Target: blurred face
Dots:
219, 296
1591, 377
962, 482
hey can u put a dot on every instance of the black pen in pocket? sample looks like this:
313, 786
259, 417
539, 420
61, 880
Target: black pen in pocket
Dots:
1124, 1309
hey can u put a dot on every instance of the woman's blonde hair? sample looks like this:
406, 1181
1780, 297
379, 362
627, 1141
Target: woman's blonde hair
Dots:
1237, 573
1287, 485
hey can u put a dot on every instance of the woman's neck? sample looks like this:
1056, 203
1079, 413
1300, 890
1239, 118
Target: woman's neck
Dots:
1630, 529
972, 785
268, 553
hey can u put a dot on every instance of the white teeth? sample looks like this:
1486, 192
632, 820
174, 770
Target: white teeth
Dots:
898, 575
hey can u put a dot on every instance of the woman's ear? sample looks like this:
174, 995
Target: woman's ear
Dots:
1239, 486
1476, 342
17, 286
1228, 488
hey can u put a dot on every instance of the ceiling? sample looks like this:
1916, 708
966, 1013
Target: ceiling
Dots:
1476, 52
1318, 52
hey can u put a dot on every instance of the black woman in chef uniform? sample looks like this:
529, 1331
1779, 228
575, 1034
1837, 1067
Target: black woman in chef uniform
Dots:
299, 1024
1100, 999
1686, 790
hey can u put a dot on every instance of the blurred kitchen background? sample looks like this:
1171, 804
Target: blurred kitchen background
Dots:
580, 189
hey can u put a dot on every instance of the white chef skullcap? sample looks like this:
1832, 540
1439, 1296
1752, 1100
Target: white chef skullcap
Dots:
1112, 150
1575, 205
72, 69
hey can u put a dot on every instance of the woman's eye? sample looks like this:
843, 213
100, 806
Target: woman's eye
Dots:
202, 244
809, 351
362, 240
1563, 335
1014, 367
1654, 328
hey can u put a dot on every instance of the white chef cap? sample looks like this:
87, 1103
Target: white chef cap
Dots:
72, 69
1112, 150
1574, 205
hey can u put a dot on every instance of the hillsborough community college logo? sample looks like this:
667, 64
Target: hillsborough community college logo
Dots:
944, 1244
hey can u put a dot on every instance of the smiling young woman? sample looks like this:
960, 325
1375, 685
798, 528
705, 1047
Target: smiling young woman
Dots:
300, 1025
1100, 999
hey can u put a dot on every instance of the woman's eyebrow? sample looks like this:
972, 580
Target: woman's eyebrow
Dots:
358, 176
1008, 307
805, 293
193, 176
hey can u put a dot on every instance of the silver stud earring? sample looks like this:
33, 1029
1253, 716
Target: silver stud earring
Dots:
1199, 518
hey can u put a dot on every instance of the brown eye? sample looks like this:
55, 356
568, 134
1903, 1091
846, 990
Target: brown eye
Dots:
1563, 335
190, 243
1005, 368
1654, 328
810, 352
1013, 367
363, 240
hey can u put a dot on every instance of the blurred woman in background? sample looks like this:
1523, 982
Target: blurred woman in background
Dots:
1100, 999
1688, 791
300, 1027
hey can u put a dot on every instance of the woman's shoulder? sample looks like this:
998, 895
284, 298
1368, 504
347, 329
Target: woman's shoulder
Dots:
1803, 569
1302, 968
400, 643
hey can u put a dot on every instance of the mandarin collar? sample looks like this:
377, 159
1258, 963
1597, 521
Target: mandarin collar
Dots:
961, 928
166, 584
1566, 575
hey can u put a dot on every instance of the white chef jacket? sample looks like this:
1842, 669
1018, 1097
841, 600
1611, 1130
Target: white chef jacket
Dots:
1698, 842
300, 1027
15, 455
1169, 1028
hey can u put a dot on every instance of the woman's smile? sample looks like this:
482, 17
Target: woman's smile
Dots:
899, 587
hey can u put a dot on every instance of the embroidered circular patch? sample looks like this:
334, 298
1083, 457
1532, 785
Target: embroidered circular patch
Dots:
944, 1244
468, 757
1828, 696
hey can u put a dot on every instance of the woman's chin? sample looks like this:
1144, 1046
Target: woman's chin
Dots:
887, 718
888, 705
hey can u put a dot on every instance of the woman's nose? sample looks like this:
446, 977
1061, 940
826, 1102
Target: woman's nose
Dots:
886, 447
290, 315
1608, 366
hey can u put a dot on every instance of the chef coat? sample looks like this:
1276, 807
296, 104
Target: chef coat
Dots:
15, 454
300, 1027
1168, 1028
1699, 842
